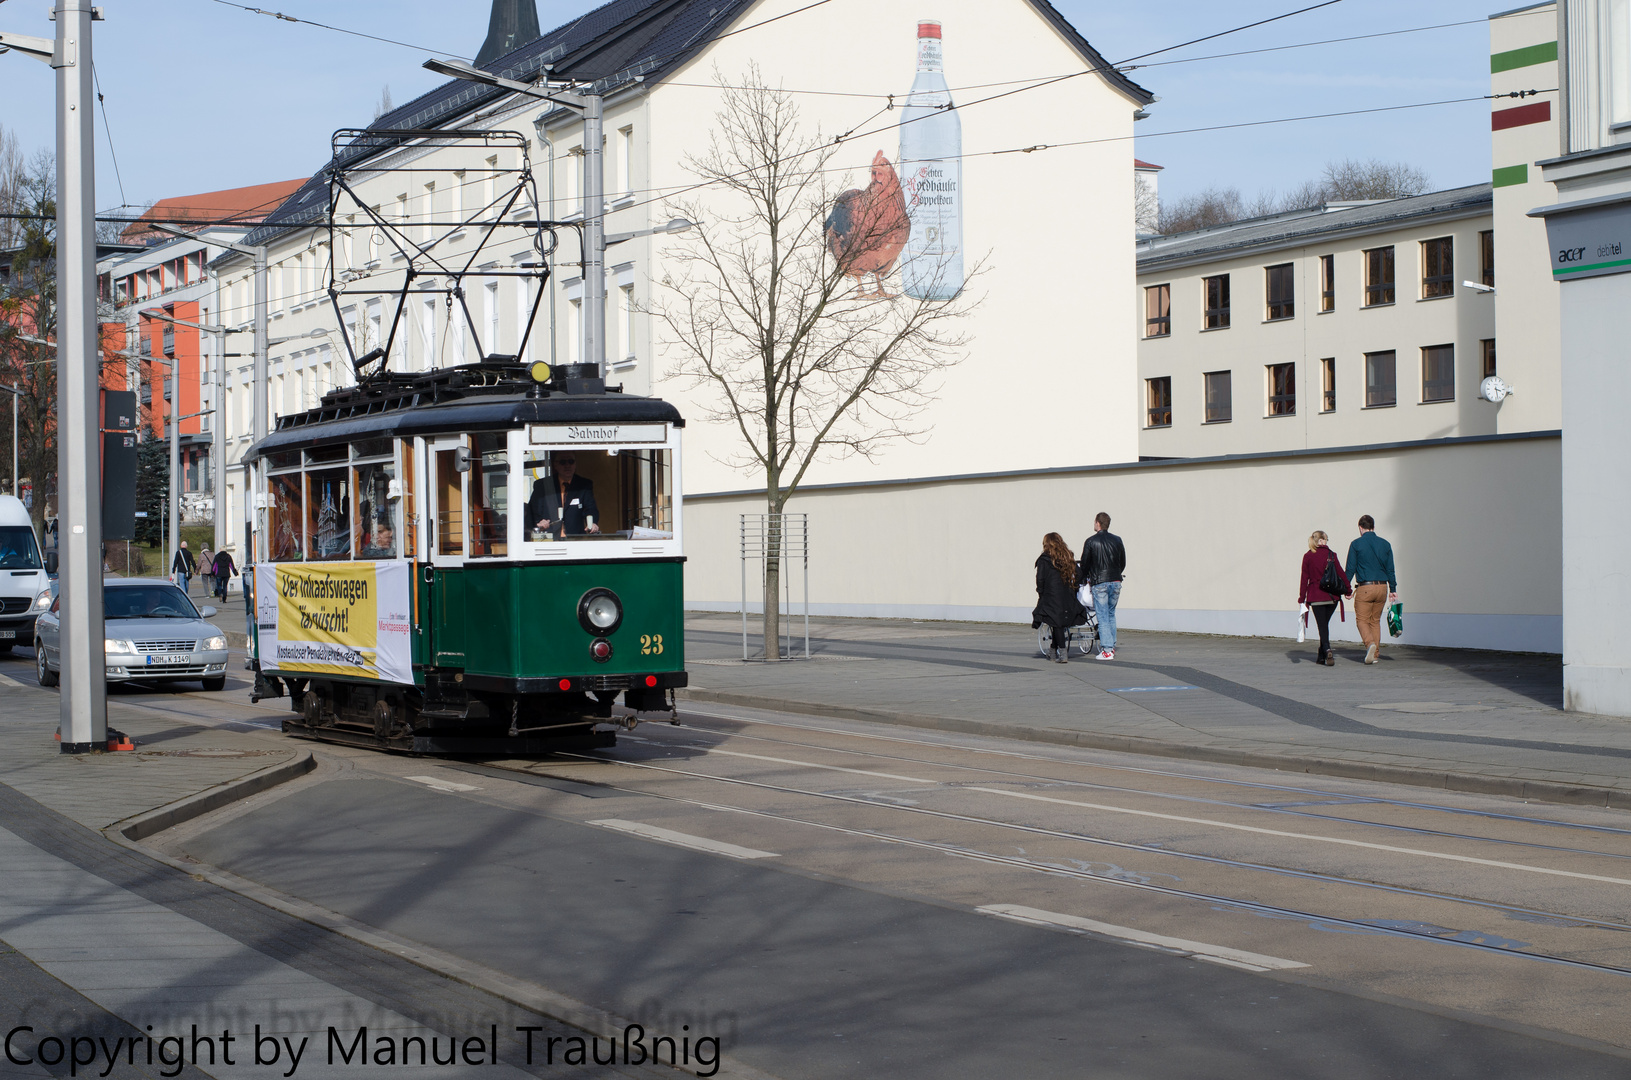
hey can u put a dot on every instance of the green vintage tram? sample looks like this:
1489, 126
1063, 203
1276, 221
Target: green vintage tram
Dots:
480, 559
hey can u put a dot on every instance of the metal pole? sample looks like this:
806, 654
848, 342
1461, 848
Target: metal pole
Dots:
594, 236
16, 477
172, 407
253, 541
84, 719
218, 444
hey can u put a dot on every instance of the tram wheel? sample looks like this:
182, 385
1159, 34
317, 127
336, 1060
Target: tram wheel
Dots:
311, 709
384, 719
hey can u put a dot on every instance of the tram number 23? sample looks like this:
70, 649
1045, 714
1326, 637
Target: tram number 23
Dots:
651, 644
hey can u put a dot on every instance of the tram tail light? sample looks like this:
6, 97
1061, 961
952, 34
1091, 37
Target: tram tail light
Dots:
566, 684
601, 650
651, 680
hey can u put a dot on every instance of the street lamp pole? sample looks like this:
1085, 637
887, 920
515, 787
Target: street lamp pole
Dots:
84, 705
252, 541
16, 477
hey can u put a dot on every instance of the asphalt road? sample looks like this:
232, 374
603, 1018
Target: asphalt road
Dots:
837, 899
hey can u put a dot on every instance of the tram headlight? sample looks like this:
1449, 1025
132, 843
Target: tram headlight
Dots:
600, 611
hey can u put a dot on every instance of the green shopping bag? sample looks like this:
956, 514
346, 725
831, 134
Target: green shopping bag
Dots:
1395, 618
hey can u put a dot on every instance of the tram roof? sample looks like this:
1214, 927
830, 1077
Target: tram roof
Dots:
486, 412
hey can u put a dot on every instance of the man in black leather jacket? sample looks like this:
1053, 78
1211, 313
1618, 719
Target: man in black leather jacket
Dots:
1104, 559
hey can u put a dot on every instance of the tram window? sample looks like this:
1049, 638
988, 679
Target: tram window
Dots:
328, 514
376, 521
370, 448
288, 459
285, 523
607, 495
489, 496
322, 454
449, 500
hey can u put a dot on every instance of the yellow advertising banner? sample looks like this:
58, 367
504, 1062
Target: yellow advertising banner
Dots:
339, 618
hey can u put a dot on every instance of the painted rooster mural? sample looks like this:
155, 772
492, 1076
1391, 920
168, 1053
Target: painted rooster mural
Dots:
868, 228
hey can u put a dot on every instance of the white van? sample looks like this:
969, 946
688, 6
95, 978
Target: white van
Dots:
23, 581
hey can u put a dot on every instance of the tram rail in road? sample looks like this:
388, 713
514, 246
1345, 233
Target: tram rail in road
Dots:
1210, 863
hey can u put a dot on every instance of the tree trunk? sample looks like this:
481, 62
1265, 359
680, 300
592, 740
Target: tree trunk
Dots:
773, 578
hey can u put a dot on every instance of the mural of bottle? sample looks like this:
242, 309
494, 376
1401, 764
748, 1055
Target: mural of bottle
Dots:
931, 172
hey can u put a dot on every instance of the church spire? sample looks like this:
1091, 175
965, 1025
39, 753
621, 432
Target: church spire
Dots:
513, 24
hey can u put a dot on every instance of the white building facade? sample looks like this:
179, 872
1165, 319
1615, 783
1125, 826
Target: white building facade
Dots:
659, 70
1344, 325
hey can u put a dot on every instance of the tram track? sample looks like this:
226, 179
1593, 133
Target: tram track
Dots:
1174, 775
1250, 906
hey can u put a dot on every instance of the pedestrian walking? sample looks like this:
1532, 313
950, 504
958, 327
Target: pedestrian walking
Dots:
1375, 584
1056, 603
223, 570
183, 566
1104, 561
206, 569
1321, 589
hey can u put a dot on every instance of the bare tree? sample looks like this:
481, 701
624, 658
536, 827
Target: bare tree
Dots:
1373, 179
384, 105
12, 173
770, 316
1342, 181
28, 306
1146, 205
1214, 206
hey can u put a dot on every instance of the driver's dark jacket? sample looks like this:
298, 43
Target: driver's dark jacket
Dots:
1103, 558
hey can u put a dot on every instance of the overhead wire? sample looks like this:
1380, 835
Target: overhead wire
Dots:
338, 29
108, 131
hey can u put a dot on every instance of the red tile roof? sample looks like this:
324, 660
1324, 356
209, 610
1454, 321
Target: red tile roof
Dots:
245, 205
1137, 164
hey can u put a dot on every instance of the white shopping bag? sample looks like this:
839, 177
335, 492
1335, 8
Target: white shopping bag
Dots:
1084, 595
1302, 623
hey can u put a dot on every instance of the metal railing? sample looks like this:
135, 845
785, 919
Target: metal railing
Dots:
785, 537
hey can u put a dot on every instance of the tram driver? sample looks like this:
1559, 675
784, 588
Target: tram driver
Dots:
563, 503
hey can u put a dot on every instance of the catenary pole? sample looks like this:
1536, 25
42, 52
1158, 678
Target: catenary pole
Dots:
84, 720
594, 235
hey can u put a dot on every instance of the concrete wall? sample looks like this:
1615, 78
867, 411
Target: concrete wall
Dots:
1213, 546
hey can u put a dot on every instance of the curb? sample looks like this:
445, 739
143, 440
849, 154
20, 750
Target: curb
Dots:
154, 821
1445, 780
507, 988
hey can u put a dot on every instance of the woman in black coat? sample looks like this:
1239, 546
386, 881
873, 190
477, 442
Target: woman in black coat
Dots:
1056, 603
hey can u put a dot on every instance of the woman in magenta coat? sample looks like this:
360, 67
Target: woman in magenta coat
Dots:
1318, 600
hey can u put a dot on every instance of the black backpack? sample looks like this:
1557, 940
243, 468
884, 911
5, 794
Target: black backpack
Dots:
1331, 582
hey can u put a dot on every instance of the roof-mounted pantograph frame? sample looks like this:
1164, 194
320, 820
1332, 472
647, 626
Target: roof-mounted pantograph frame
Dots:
430, 258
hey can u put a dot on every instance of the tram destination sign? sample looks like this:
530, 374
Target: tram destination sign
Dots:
595, 434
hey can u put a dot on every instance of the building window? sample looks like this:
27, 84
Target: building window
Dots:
1216, 314
1437, 267
627, 292
1282, 389
1438, 373
625, 160
1487, 347
1219, 397
1157, 311
1378, 276
1328, 384
1159, 394
1486, 257
1381, 380
1280, 291
1328, 282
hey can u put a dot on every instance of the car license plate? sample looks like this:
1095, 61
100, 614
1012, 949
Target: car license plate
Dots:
7, 635
157, 660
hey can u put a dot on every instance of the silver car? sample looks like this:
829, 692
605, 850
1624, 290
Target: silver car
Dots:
153, 633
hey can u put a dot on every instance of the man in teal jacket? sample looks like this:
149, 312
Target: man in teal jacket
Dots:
1370, 568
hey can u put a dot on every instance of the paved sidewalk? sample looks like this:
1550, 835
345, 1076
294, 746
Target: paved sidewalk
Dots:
103, 945
1461, 719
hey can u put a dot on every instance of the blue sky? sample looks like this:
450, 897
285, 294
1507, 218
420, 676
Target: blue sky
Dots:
202, 96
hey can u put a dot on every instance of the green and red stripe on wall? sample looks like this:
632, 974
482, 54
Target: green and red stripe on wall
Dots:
1538, 112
